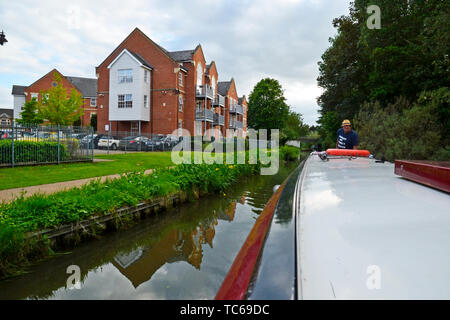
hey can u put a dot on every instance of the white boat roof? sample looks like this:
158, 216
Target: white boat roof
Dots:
365, 233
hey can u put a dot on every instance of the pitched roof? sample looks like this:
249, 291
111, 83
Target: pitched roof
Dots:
87, 86
18, 90
184, 55
141, 60
223, 87
8, 112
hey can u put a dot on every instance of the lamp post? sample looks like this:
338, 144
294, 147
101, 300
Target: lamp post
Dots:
2, 38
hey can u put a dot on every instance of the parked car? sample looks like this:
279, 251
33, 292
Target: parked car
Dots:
162, 143
133, 143
5, 135
90, 141
112, 140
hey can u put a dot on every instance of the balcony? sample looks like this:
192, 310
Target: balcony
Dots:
219, 101
205, 91
236, 109
219, 120
235, 125
204, 115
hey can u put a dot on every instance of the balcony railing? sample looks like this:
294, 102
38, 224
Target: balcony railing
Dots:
235, 125
204, 115
219, 119
205, 90
236, 108
219, 101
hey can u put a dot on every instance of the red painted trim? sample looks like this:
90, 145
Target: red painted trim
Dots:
430, 173
235, 285
348, 152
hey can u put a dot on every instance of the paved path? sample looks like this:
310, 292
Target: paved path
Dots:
10, 194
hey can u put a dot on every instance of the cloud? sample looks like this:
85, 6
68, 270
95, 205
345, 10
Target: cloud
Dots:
248, 39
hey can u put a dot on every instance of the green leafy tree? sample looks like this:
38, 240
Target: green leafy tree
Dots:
58, 107
329, 124
381, 67
267, 108
30, 114
294, 129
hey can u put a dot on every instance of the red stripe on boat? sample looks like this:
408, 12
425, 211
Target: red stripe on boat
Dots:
235, 285
348, 152
435, 174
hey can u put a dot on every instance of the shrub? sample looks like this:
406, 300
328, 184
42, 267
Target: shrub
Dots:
31, 151
407, 131
289, 153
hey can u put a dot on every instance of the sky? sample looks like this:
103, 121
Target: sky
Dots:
248, 40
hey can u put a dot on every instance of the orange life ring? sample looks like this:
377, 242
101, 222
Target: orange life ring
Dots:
348, 152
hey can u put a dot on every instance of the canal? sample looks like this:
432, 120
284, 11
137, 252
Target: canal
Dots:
182, 253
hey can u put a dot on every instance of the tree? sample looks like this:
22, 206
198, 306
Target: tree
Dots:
294, 129
58, 107
30, 114
408, 55
329, 124
267, 108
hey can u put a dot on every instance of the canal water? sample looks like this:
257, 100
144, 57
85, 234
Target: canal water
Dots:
182, 253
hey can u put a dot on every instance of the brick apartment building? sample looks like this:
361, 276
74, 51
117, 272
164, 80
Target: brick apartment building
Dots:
87, 87
144, 88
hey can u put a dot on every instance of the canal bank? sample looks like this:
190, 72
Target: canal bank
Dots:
30, 228
184, 252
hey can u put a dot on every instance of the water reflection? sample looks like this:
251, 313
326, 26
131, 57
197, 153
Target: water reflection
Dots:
183, 253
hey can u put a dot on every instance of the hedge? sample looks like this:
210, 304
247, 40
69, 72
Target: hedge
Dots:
31, 151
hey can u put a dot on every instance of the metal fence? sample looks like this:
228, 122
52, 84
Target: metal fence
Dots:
31, 145
130, 141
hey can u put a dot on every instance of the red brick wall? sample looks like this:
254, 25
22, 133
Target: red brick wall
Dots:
46, 83
163, 119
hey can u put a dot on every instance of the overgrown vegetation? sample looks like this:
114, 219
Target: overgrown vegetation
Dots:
407, 131
77, 204
389, 79
289, 153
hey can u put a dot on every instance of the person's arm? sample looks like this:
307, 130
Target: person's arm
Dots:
356, 143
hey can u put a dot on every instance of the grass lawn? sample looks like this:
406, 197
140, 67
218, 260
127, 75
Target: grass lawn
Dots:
36, 175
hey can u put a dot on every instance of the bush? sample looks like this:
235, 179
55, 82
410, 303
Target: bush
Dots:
289, 153
407, 131
31, 151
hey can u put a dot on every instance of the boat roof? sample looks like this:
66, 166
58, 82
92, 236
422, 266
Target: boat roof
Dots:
365, 233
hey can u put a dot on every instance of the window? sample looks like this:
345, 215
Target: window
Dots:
199, 75
180, 127
180, 78
145, 101
180, 103
125, 101
199, 106
125, 75
128, 101
145, 76
34, 95
54, 84
93, 102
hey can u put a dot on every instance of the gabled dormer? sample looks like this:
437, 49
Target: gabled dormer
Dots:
129, 87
